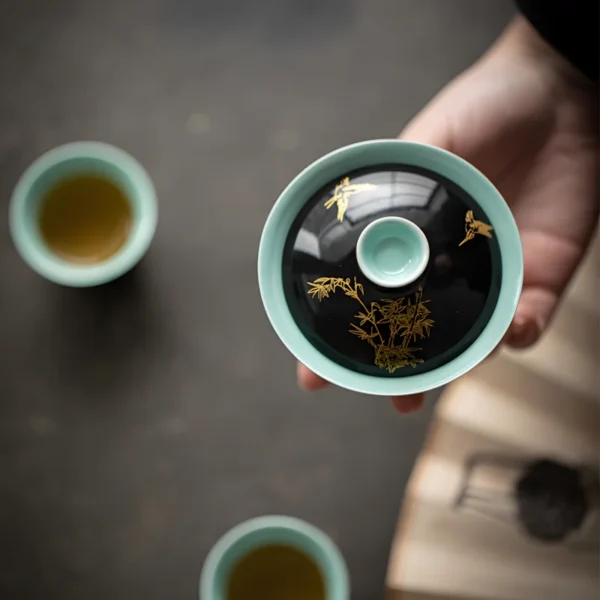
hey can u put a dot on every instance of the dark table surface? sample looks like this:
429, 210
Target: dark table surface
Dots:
141, 420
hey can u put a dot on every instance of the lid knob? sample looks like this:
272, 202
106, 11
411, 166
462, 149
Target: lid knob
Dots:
392, 252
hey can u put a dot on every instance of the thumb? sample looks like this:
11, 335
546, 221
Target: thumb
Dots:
433, 124
430, 127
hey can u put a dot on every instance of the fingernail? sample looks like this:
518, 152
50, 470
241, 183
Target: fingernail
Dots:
407, 405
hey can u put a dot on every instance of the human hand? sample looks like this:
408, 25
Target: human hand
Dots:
525, 118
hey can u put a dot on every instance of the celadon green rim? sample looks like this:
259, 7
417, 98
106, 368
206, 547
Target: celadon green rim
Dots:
274, 529
367, 154
94, 157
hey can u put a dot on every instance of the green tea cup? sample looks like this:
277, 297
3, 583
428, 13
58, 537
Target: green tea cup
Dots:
74, 160
267, 531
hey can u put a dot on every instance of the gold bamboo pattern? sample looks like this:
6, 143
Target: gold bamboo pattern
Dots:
474, 227
342, 193
404, 321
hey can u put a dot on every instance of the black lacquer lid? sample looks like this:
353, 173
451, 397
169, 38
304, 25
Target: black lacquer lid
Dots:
373, 328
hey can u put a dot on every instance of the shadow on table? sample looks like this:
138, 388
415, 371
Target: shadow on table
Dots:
108, 335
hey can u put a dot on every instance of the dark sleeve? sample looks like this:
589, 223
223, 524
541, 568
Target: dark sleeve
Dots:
570, 27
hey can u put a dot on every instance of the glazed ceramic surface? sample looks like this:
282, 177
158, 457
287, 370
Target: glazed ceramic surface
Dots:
82, 158
269, 530
392, 267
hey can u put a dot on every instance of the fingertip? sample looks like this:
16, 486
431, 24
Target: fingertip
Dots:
309, 381
524, 331
533, 314
408, 404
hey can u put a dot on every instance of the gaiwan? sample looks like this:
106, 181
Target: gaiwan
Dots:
389, 267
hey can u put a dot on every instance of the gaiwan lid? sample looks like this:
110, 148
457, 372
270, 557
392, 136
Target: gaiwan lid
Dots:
389, 267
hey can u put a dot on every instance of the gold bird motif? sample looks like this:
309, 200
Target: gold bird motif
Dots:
342, 193
473, 227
